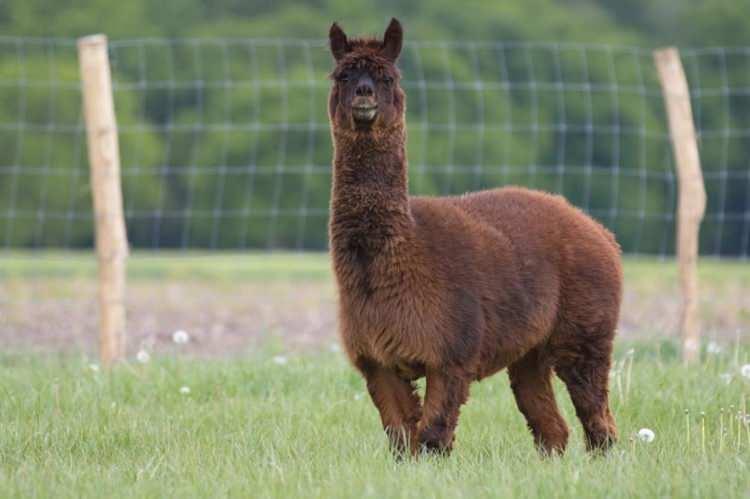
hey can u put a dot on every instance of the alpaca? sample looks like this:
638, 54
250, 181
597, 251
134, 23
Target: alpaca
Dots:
457, 288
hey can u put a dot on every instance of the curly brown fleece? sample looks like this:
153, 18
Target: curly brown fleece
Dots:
458, 288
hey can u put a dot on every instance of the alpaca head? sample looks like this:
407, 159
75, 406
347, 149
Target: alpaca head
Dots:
365, 95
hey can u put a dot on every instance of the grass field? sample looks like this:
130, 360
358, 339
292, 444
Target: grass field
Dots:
229, 266
303, 426
267, 419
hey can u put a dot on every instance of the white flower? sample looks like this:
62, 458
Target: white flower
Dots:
335, 348
646, 435
185, 390
713, 348
143, 356
94, 367
745, 371
280, 360
726, 378
180, 337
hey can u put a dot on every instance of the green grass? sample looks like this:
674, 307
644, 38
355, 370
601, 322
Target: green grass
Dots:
145, 265
255, 428
233, 266
251, 427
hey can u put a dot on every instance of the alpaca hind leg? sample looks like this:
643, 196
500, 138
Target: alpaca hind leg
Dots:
446, 393
531, 382
397, 402
585, 372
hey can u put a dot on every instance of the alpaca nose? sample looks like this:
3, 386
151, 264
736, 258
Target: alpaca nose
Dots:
365, 88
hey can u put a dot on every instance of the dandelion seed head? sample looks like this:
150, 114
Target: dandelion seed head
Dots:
745, 371
713, 348
646, 435
94, 368
335, 347
143, 356
280, 360
180, 337
185, 390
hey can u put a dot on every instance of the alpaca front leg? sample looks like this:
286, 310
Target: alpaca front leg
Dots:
446, 393
398, 404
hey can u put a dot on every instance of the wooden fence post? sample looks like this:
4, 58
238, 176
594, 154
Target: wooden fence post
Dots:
692, 194
104, 162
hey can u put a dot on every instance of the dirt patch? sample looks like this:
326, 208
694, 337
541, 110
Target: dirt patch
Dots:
226, 319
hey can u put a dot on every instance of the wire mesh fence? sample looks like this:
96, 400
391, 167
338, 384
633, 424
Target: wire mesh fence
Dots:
225, 143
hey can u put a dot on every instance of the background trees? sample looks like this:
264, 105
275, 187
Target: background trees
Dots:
225, 141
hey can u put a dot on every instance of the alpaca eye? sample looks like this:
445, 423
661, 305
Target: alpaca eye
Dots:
388, 80
343, 77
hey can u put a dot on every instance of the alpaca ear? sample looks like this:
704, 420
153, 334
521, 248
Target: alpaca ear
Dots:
339, 43
392, 40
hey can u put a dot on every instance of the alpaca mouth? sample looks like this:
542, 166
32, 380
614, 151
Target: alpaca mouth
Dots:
364, 113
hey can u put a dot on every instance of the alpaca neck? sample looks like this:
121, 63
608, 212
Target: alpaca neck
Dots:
370, 202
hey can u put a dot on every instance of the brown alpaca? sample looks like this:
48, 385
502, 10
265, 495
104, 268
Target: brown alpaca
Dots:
458, 288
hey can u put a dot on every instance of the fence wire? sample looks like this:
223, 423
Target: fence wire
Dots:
225, 143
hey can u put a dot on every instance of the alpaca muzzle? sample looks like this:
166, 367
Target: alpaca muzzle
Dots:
364, 109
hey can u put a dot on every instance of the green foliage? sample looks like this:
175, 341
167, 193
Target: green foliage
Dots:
225, 141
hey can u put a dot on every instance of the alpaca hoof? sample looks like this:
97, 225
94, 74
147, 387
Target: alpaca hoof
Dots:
435, 447
600, 443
